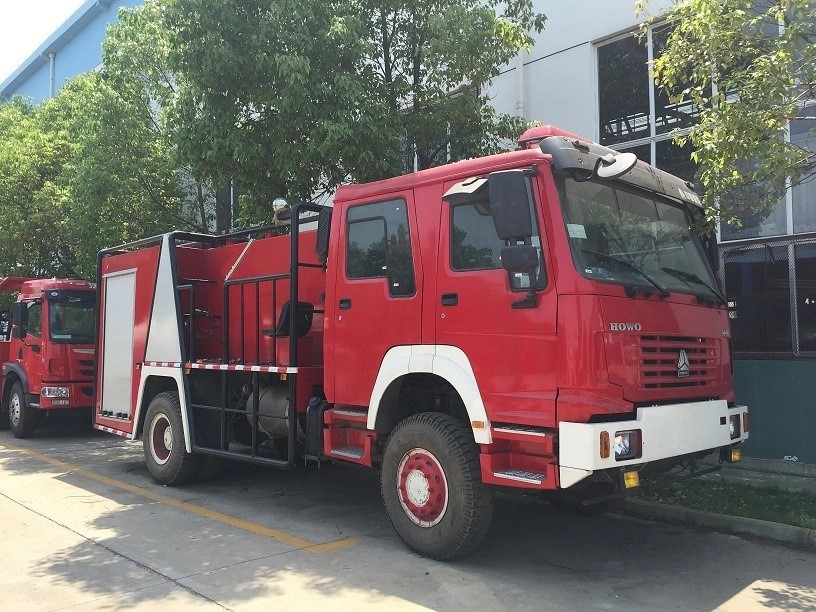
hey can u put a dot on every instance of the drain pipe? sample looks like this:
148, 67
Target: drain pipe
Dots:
51, 78
520, 86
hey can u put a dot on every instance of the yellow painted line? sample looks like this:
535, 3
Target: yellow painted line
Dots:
214, 515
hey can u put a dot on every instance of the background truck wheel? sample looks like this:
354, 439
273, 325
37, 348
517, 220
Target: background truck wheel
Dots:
432, 488
4, 417
21, 416
163, 440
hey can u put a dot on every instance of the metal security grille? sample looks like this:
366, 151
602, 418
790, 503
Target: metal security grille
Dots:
660, 359
771, 289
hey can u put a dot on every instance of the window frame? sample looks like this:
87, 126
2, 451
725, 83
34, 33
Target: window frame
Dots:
387, 276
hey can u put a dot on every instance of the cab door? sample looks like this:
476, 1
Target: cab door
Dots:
378, 280
480, 306
26, 350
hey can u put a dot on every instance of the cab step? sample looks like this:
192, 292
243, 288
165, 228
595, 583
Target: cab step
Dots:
521, 476
348, 451
335, 416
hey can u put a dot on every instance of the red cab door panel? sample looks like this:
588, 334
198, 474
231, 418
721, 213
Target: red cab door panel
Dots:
377, 292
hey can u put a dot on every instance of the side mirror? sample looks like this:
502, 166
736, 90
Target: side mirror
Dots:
521, 258
510, 204
19, 319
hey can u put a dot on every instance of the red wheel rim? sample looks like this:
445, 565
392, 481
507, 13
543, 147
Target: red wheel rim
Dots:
161, 439
422, 487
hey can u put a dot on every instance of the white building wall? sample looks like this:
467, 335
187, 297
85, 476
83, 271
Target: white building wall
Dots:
560, 71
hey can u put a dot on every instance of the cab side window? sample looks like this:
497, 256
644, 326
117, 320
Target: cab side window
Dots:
34, 326
378, 245
475, 245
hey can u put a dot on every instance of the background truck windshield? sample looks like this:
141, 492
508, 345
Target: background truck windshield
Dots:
72, 320
614, 232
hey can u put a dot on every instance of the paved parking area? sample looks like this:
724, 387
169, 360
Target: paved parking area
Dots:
83, 525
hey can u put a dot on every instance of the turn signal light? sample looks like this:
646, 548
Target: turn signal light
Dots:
745, 422
606, 447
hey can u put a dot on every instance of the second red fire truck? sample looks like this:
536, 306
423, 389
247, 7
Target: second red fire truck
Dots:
47, 351
542, 320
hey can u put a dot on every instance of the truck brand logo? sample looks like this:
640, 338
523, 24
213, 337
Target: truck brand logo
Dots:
625, 327
683, 367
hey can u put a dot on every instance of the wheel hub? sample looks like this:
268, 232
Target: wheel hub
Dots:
422, 487
14, 410
161, 439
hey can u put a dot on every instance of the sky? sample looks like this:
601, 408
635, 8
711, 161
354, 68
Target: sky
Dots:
25, 25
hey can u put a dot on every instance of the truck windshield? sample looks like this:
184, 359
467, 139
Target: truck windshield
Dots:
71, 319
632, 238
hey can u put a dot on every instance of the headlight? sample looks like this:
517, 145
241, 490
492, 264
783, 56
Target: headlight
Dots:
54, 392
627, 444
734, 426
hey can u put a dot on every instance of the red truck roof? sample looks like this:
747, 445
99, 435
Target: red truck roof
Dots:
36, 287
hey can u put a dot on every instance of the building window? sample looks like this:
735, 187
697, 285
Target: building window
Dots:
634, 114
804, 194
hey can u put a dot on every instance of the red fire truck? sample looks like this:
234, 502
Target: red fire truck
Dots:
48, 351
541, 320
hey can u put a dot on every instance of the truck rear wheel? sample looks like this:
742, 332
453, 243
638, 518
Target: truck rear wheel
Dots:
432, 488
21, 416
163, 439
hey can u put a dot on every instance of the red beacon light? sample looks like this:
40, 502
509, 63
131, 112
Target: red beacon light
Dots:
533, 136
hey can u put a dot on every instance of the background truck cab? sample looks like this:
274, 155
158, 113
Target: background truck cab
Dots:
47, 352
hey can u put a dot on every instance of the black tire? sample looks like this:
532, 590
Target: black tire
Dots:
447, 511
5, 423
163, 439
20, 414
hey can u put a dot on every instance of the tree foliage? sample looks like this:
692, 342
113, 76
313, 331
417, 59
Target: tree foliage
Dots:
295, 97
758, 57
80, 172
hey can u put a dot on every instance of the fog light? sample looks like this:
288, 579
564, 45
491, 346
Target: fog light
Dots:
736, 455
54, 392
627, 444
734, 426
631, 479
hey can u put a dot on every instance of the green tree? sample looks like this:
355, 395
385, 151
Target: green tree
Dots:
295, 97
760, 58
82, 171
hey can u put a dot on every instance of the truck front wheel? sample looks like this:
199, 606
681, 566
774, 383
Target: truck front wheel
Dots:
432, 488
20, 415
163, 439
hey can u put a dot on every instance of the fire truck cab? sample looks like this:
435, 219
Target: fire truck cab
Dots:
541, 320
46, 350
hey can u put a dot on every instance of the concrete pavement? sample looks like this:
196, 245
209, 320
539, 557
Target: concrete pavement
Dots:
83, 525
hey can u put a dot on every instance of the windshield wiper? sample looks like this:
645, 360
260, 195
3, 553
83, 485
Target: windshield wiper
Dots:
662, 292
693, 278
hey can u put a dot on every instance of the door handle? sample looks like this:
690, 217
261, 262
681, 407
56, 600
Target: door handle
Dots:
450, 299
345, 303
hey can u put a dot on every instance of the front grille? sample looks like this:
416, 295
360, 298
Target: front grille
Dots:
87, 367
660, 356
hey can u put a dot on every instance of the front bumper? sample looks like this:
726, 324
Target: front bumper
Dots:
80, 395
667, 431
